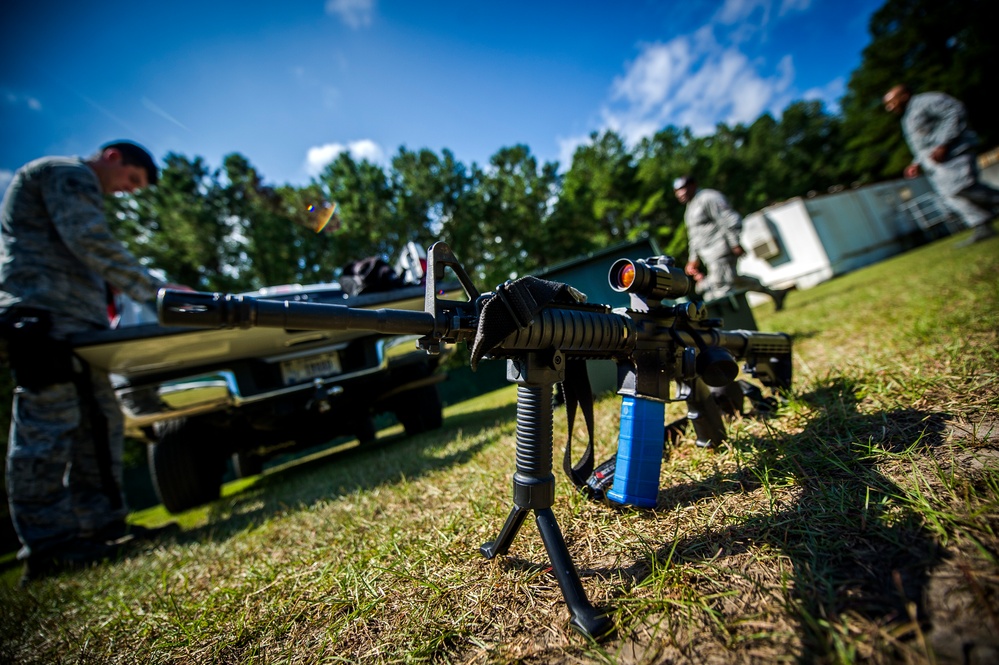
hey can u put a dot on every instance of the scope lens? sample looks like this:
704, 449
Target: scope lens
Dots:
626, 276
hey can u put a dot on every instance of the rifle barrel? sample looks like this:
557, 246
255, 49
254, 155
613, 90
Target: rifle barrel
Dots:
219, 310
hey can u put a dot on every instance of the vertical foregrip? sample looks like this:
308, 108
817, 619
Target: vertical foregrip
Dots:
534, 431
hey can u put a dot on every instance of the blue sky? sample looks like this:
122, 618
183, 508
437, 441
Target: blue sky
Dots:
290, 84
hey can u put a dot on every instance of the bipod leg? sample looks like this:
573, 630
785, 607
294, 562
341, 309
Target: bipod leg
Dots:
502, 543
584, 618
534, 486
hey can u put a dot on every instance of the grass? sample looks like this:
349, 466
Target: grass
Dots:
859, 525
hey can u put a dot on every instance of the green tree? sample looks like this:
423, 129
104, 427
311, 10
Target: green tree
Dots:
419, 194
722, 155
179, 225
366, 199
802, 152
441, 199
599, 195
312, 227
515, 197
660, 159
278, 239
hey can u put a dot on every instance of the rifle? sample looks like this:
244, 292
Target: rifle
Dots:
546, 331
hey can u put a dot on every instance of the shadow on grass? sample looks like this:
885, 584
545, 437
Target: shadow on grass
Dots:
854, 549
300, 484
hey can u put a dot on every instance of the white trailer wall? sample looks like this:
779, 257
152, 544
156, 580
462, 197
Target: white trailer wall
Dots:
812, 240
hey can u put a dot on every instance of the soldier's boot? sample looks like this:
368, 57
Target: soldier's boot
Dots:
779, 295
981, 232
78, 554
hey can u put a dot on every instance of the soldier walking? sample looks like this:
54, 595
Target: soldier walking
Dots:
713, 229
936, 129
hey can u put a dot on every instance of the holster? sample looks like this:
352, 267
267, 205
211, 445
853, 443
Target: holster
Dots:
36, 360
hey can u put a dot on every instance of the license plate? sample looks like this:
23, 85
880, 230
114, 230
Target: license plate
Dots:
305, 369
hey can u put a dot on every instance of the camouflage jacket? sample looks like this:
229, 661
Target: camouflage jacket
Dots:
713, 227
57, 251
932, 119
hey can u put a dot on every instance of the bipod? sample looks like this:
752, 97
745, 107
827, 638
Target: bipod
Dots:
535, 374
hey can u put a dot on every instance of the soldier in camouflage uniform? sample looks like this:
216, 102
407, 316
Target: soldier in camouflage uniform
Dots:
57, 257
713, 230
942, 143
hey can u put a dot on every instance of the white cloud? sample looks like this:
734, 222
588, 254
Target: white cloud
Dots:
366, 149
693, 82
19, 99
657, 72
567, 148
757, 12
704, 78
829, 94
318, 157
355, 13
738, 11
788, 6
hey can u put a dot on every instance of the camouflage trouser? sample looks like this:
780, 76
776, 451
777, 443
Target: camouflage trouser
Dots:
975, 205
54, 481
723, 278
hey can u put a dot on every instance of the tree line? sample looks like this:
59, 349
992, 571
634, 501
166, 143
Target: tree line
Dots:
226, 229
